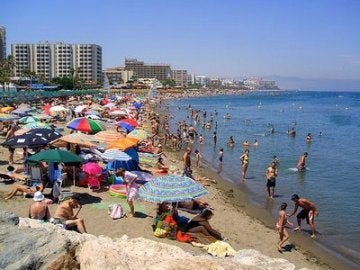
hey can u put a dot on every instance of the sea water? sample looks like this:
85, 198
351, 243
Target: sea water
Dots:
333, 163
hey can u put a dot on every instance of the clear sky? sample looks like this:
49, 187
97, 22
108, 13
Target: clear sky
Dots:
225, 38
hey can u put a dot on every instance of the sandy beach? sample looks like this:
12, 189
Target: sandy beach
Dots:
244, 226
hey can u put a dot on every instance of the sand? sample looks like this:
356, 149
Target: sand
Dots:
234, 217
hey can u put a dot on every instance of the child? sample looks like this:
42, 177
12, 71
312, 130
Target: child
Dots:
281, 226
197, 158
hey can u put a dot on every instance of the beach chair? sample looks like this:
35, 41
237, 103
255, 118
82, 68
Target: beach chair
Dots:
35, 176
59, 191
6, 178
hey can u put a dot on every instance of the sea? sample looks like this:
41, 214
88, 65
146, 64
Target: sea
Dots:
333, 163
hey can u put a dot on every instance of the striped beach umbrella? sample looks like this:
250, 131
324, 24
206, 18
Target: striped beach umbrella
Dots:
8, 117
84, 124
115, 154
171, 188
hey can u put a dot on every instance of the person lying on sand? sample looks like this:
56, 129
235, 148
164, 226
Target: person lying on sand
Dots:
26, 190
200, 224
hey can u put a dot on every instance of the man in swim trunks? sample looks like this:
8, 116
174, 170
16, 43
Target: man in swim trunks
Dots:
271, 174
64, 214
309, 211
187, 159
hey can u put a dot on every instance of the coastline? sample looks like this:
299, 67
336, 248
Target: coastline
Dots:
237, 197
245, 226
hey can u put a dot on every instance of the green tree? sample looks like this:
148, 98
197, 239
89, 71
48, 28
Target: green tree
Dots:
168, 83
7, 67
63, 82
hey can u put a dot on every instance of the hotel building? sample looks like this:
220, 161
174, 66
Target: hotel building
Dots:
180, 77
52, 60
161, 72
118, 75
2, 43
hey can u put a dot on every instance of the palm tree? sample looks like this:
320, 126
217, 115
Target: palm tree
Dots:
74, 73
7, 67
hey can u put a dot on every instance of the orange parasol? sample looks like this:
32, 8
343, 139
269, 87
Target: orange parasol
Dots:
124, 143
108, 136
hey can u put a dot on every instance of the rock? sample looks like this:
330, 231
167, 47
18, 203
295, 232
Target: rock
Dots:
8, 218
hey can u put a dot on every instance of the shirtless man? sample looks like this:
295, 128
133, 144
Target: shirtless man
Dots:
302, 162
309, 211
64, 214
187, 159
271, 174
39, 209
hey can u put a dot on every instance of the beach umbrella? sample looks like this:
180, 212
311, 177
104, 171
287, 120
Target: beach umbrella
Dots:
84, 124
143, 177
132, 152
80, 108
108, 136
56, 155
139, 134
26, 140
124, 143
110, 105
41, 116
115, 154
28, 119
22, 110
92, 168
80, 139
4, 117
118, 112
93, 117
131, 122
49, 134
171, 188
57, 109
6, 109
137, 105
92, 112
125, 126
36, 125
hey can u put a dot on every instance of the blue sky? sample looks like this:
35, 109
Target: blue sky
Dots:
307, 38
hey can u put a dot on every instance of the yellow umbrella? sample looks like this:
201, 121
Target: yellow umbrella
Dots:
124, 143
6, 109
108, 136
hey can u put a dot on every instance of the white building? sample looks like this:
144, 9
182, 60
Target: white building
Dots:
59, 60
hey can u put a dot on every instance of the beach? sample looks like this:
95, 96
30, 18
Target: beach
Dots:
243, 225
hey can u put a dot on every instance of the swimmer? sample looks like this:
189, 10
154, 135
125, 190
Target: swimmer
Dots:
245, 158
231, 141
308, 138
301, 165
256, 143
281, 226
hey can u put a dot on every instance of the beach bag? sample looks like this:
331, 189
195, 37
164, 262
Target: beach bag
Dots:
117, 211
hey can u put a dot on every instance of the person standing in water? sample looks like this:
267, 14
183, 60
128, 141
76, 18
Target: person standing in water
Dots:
245, 158
271, 174
301, 165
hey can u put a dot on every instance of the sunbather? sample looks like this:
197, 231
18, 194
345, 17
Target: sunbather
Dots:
193, 205
26, 190
200, 224
39, 209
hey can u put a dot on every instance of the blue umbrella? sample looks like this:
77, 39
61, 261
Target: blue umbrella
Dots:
143, 177
125, 126
137, 105
171, 188
133, 154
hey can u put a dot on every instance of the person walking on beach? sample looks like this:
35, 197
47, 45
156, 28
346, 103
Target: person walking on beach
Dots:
281, 227
131, 188
198, 157
221, 158
271, 174
244, 158
301, 165
187, 159
308, 212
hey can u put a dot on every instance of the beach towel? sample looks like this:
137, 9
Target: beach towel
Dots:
219, 249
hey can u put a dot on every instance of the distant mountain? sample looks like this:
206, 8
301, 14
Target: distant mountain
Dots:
315, 84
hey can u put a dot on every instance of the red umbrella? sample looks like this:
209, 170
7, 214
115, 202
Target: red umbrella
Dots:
131, 122
92, 168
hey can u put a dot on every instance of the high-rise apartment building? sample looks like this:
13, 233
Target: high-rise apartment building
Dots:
180, 77
59, 60
2, 43
118, 75
159, 71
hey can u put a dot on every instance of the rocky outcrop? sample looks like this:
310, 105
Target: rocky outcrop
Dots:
36, 245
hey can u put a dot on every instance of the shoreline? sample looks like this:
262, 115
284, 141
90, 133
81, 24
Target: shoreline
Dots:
235, 195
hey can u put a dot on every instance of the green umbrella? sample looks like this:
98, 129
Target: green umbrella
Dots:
56, 155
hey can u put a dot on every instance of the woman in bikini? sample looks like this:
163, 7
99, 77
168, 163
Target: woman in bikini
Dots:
281, 226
